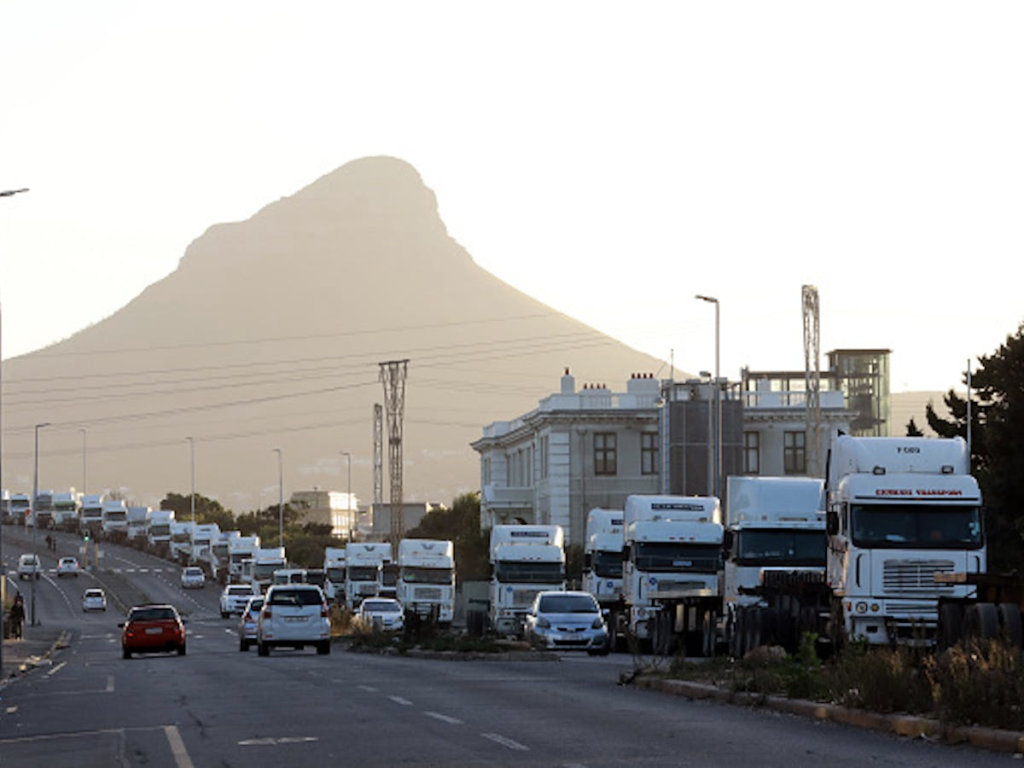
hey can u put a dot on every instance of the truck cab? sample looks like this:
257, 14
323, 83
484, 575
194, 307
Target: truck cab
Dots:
114, 519
364, 563
900, 511
525, 560
426, 584
334, 570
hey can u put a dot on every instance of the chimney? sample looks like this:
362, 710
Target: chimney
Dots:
568, 384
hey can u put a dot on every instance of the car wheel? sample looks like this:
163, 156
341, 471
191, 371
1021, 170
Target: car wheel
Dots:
324, 648
262, 648
125, 653
243, 646
181, 649
224, 615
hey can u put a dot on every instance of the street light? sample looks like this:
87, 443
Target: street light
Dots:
35, 517
348, 493
83, 460
718, 400
711, 456
192, 495
280, 499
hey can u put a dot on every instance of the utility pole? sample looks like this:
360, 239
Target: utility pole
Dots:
812, 379
392, 376
378, 455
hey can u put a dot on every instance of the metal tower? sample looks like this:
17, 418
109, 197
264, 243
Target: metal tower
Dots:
378, 455
812, 379
392, 376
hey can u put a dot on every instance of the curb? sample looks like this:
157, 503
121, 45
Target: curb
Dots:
32, 662
910, 726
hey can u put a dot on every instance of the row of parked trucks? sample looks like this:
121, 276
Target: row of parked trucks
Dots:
889, 548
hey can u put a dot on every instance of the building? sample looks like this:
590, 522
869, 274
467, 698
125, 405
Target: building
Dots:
862, 375
333, 508
413, 513
575, 451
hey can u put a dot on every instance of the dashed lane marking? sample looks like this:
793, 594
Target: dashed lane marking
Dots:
400, 700
367, 688
444, 718
181, 758
57, 669
506, 742
272, 742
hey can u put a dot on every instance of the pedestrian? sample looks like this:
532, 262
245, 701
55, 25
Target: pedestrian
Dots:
17, 617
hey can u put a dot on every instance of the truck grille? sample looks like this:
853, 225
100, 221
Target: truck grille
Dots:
915, 577
427, 593
521, 597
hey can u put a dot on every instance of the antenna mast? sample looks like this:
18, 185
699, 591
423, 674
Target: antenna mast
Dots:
812, 379
392, 376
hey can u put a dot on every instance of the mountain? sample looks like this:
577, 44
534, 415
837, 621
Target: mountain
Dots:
269, 335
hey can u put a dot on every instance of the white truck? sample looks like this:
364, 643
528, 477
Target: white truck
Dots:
602, 567
240, 549
221, 549
42, 510
672, 571
775, 587
364, 565
90, 515
525, 560
334, 571
20, 507
158, 530
65, 510
115, 519
203, 537
138, 521
264, 563
181, 541
901, 510
426, 579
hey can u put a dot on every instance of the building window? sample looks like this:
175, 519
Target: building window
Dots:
752, 453
605, 461
794, 453
648, 453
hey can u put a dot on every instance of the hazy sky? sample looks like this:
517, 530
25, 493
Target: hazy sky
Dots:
609, 159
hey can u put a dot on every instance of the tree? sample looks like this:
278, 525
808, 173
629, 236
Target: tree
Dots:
997, 445
207, 510
912, 428
461, 525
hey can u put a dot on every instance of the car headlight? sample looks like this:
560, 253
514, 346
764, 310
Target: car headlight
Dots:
598, 623
543, 623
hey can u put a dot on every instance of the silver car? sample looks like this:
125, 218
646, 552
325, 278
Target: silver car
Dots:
567, 621
248, 623
293, 615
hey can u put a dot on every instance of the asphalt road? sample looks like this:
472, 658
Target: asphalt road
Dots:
219, 707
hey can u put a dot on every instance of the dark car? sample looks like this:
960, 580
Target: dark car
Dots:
152, 629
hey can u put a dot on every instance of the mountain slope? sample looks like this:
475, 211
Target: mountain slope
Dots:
269, 335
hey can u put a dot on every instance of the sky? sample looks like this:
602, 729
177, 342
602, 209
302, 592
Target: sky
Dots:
609, 159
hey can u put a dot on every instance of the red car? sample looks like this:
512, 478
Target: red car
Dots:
152, 629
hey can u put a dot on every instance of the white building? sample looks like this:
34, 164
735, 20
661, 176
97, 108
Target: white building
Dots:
575, 451
333, 508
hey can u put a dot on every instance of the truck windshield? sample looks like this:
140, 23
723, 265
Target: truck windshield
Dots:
265, 571
116, 515
413, 574
608, 565
901, 526
673, 557
529, 573
781, 548
362, 573
160, 530
336, 575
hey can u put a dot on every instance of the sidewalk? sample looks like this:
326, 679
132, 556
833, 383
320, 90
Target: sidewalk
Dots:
34, 649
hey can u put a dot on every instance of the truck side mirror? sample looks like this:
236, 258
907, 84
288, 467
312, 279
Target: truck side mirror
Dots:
727, 542
831, 522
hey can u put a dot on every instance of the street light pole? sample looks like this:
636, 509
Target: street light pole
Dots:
348, 493
711, 453
280, 499
192, 495
83, 461
35, 518
718, 401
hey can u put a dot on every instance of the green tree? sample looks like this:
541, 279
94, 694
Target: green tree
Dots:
461, 525
913, 430
207, 510
997, 445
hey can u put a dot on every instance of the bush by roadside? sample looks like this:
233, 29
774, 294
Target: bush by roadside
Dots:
978, 684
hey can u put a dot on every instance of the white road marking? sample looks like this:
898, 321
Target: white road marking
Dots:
444, 718
181, 758
367, 688
497, 738
56, 669
12, 710
400, 700
110, 684
270, 741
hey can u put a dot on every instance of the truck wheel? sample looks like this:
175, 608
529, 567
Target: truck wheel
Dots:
753, 633
951, 625
1010, 623
981, 622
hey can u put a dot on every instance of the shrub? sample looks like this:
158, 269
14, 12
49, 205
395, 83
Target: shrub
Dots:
982, 682
880, 679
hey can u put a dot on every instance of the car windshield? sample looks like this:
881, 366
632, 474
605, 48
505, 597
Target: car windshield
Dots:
379, 606
294, 597
193, 572
567, 604
255, 605
152, 614
239, 591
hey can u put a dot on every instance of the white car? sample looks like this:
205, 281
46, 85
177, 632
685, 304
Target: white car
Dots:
29, 566
234, 597
249, 623
94, 600
383, 613
192, 577
294, 615
67, 566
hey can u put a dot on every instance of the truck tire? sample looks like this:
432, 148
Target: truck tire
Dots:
951, 625
753, 629
1010, 624
262, 648
981, 622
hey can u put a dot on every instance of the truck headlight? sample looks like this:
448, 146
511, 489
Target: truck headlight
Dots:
862, 607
